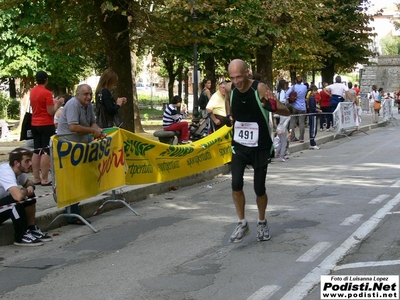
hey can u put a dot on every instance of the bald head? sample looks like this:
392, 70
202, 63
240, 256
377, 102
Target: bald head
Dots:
237, 64
238, 73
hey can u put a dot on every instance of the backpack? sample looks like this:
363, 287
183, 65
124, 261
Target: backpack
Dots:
293, 95
203, 100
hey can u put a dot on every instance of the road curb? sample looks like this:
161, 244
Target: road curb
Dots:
296, 147
131, 194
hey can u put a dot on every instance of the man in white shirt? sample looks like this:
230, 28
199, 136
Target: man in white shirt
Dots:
26, 233
339, 92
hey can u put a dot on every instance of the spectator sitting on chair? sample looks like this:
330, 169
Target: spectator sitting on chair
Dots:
26, 233
172, 121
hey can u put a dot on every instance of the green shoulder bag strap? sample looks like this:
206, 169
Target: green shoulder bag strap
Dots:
264, 112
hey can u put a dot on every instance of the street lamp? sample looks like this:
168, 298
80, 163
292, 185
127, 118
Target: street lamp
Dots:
195, 67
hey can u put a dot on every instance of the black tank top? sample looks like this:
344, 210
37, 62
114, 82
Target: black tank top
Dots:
245, 108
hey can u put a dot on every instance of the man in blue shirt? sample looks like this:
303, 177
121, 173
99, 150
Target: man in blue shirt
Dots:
299, 108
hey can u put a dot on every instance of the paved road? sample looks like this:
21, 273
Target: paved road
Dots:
330, 211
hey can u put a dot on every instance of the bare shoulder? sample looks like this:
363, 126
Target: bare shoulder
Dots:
262, 88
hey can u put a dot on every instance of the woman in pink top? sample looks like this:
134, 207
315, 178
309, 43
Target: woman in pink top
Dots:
43, 110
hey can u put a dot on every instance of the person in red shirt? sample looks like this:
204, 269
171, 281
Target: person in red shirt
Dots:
398, 101
43, 109
325, 104
317, 98
357, 90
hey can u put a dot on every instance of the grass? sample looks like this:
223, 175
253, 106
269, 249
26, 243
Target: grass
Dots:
151, 112
151, 117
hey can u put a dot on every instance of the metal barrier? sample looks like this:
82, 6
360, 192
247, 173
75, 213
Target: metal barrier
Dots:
68, 212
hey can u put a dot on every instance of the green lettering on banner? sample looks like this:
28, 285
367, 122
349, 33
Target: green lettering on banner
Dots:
199, 158
212, 142
179, 151
228, 136
168, 166
83, 153
225, 151
136, 147
144, 168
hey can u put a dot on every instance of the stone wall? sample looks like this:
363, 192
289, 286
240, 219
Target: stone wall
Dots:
384, 72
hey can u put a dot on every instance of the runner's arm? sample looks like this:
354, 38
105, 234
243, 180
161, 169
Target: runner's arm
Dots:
270, 102
228, 110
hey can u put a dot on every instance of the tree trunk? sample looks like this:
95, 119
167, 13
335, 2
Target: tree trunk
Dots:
313, 78
293, 75
136, 111
210, 72
264, 64
328, 72
186, 86
179, 72
169, 65
304, 76
115, 30
12, 89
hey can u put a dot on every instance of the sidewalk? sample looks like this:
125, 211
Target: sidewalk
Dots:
47, 211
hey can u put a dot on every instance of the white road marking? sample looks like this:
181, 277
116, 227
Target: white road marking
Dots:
378, 199
354, 219
305, 285
368, 264
265, 292
314, 252
396, 184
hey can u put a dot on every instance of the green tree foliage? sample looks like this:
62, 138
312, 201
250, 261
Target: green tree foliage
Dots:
251, 30
288, 29
348, 32
66, 38
41, 35
390, 45
20, 54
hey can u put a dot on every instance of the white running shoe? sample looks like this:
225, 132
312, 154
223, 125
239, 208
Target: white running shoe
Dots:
314, 147
239, 233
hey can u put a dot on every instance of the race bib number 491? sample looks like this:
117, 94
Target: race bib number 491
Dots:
246, 133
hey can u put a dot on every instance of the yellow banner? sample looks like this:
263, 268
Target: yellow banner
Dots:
82, 170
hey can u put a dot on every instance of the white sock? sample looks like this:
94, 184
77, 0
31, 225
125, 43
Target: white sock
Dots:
244, 222
262, 221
